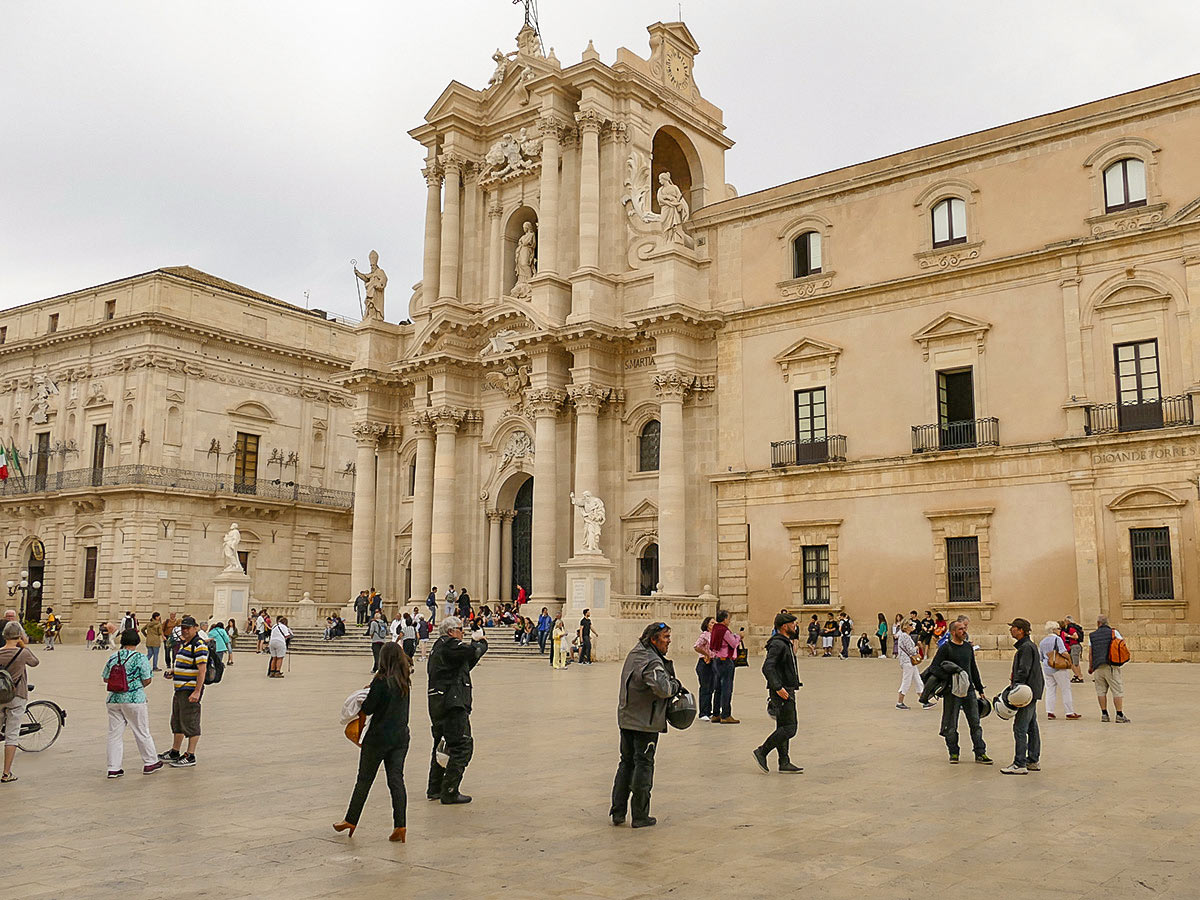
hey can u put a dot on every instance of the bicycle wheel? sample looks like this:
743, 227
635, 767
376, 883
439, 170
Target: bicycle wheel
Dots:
40, 727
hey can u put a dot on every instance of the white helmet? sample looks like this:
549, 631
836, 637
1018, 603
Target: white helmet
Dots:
1020, 695
1003, 710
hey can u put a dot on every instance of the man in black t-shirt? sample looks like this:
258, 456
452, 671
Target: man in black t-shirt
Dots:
960, 652
846, 631
585, 638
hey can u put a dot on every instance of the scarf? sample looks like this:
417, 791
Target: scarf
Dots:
716, 639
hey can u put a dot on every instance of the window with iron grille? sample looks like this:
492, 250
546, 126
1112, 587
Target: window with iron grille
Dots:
962, 569
648, 442
816, 573
1152, 564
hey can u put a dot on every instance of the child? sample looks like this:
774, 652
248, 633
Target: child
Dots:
864, 646
91, 636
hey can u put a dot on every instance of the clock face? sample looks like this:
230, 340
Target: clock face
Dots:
677, 68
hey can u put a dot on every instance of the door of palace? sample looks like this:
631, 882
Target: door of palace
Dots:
522, 539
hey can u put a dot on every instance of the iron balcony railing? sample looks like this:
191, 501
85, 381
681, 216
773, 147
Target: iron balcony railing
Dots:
1109, 418
179, 479
802, 453
956, 435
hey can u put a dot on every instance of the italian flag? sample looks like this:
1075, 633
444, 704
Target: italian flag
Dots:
3, 464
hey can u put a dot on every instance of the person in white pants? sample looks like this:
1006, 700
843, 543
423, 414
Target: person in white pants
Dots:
1058, 681
128, 707
910, 678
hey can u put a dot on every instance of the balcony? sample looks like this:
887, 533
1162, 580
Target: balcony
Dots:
803, 453
172, 479
1112, 418
956, 435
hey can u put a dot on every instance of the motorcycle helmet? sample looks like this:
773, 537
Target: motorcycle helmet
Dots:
985, 708
681, 710
1019, 695
1000, 704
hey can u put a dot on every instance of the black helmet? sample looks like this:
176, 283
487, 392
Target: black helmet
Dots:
681, 709
985, 708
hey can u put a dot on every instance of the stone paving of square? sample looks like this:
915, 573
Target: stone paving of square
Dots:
878, 812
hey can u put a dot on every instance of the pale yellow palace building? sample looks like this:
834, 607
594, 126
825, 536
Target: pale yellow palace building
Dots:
960, 378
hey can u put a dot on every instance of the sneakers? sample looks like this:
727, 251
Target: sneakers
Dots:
1033, 767
1121, 718
1014, 770
983, 759
1074, 716
789, 769
954, 759
169, 756
115, 773
185, 760
901, 706
152, 768
706, 718
1104, 716
760, 757
929, 705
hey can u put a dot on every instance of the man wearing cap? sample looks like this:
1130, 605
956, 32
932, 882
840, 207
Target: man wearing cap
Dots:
960, 652
191, 662
783, 679
1026, 669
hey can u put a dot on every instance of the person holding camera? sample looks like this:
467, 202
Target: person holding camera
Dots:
449, 668
783, 679
647, 684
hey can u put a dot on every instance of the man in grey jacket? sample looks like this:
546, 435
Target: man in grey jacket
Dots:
647, 683
1026, 669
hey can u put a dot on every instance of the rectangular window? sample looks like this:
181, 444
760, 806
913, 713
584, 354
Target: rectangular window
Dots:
1151, 548
1139, 395
962, 569
90, 557
412, 478
1125, 185
110, 310
956, 409
3, 334
99, 445
52, 324
950, 222
811, 422
816, 573
245, 463
42, 463
806, 254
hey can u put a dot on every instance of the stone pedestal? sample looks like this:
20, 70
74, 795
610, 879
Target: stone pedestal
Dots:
589, 586
231, 596
306, 612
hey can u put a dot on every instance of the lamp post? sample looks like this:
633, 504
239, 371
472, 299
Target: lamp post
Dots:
24, 586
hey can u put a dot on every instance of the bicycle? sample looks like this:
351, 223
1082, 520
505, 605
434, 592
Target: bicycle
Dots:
44, 720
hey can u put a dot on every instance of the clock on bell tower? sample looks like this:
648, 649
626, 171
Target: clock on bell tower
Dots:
673, 52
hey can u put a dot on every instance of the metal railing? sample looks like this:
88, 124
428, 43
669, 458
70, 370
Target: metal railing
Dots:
178, 479
1110, 418
801, 453
956, 435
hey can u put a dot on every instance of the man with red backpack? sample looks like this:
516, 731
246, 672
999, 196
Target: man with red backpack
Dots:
1109, 653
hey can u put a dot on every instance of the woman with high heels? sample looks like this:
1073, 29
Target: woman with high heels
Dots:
386, 740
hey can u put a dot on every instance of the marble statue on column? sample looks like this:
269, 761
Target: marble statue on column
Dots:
229, 548
591, 508
674, 209
375, 281
526, 260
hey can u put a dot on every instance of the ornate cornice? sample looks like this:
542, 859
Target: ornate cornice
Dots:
544, 401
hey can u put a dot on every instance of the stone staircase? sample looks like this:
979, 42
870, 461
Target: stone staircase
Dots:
356, 643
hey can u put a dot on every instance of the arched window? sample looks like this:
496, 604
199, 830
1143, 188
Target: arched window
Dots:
648, 446
1124, 185
648, 570
949, 222
806, 254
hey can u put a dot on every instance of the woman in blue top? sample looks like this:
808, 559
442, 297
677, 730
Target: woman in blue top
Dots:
128, 707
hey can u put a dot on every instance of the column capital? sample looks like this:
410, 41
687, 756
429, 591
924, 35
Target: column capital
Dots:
452, 162
673, 385
588, 398
552, 128
445, 419
498, 515
421, 425
495, 211
544, 401
589, 120
618, 132
368, 434
433, 175
507, 515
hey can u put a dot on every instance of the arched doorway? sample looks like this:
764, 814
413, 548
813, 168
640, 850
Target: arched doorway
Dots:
522, 539
648, 570
36, 566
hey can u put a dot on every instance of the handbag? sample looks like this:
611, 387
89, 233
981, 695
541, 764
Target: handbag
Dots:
118, 678
741, 657
1057, 660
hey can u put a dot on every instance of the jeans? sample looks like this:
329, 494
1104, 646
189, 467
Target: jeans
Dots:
138, 719
152, 655
455, 726
542, 640
704, 671
723, 689
970, 705
1028, 738
169, 653
376, 646
635, 774
585, 649
785, 726
368, 767
846, 646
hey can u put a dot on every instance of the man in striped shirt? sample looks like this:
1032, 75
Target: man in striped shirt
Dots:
191, 663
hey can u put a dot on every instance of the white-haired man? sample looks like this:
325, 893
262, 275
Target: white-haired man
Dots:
450, 663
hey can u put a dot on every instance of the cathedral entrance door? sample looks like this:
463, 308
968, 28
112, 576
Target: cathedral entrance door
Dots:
522, 539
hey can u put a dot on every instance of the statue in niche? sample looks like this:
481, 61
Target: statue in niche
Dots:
43, 390
375, 281
229, 549
526, 260
674, 210
591, 508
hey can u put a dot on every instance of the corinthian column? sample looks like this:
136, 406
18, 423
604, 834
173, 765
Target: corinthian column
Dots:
451, 218
506, 575
587, 399
495, 251
441, 543
362, 541
433, 233
548, 218
422, 521
590, 122
671, 388
544, 405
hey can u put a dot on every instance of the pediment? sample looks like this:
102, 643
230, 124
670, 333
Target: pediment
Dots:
1133, 293
1142, 498
952, 326
472, 334
644, 510
808, 350
457, 100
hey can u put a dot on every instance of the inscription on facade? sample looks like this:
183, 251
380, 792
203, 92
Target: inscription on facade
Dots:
639, 362
1151, 454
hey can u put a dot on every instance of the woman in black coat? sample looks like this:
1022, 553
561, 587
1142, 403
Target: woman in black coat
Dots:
386, 740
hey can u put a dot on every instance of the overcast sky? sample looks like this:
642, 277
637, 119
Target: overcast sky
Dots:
264, 141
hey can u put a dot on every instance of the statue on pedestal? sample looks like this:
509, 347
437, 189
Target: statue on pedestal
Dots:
674, 209
375, 281
592, 510
526, 260
229, 548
